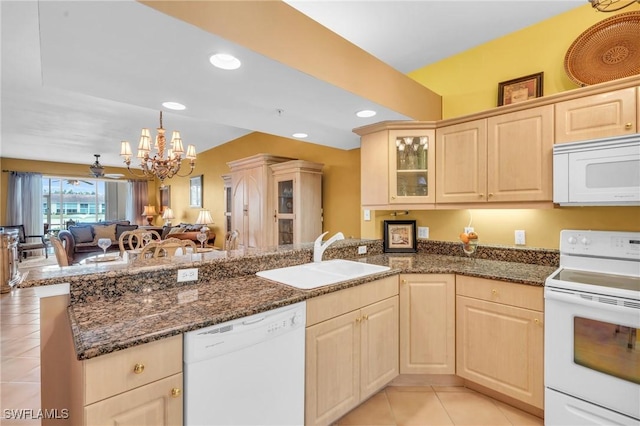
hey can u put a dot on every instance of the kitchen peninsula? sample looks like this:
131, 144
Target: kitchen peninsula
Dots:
114, 309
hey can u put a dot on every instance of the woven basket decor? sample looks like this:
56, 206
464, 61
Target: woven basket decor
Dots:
606, 51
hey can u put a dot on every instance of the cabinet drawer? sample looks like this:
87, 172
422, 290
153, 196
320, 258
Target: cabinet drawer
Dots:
520, 295
331, 305
114, 373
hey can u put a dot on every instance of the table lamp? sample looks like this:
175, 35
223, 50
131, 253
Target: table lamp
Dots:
149, 212
167, 216
204, 218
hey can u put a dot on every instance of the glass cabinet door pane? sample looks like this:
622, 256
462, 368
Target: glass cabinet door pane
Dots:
285, 197
285, 231
411, 166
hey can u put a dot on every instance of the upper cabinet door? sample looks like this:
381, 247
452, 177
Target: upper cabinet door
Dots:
597, 116
412, 166
461, 172
520, 156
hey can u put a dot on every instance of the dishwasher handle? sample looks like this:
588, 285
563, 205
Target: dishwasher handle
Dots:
253, 321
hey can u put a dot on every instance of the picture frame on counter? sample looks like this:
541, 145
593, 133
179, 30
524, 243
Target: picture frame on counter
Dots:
399, 236
195, 192
520, 89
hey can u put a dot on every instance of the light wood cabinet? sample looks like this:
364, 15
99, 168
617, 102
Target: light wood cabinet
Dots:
427, 324
251, 205
398, 167
297, 209
504, 158
597, 116
350, 353
499, 337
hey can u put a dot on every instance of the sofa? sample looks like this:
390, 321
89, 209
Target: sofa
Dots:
187, 231
81, 239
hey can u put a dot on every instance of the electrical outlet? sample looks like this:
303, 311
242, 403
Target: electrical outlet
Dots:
362, 250
367, 214
468, 229
423, 232
190, 274
520, 238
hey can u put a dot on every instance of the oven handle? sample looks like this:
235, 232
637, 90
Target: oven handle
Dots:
570, 297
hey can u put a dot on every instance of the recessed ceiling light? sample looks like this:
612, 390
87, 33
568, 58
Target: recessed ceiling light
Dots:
225, 61
300, 135
366, 113
174, 105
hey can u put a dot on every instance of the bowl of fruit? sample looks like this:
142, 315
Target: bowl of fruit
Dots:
469, 242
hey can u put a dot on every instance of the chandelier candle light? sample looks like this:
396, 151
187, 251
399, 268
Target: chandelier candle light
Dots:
149, 212
158, 165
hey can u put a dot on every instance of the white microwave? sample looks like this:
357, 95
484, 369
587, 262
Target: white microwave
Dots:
602, 172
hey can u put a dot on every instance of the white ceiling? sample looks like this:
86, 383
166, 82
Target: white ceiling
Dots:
80, 76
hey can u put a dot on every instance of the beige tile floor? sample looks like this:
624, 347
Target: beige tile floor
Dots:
394, 405
435, 405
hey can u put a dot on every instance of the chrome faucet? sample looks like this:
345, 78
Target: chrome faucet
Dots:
319, 247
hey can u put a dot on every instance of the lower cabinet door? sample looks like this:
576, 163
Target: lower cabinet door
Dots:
156, 404
332, 370
501, 347
379, 345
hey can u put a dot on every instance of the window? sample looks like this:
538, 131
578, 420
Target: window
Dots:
86, 200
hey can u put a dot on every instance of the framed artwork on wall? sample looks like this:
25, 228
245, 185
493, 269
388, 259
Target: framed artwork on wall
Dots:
520, 89
399, 236
195, 192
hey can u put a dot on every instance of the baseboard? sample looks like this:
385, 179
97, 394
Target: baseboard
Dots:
427, 380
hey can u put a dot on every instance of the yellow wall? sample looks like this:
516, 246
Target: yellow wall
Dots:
340, 180
468, 82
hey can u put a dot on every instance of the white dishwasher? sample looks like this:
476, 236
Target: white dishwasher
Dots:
248, 371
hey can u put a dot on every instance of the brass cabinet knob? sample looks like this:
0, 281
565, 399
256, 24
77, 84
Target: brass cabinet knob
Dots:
404, 281
393, 197
138, 368
494, 292
536, 321
628, 126
358, 320
176, 392
481, 195
491, 194
365, 317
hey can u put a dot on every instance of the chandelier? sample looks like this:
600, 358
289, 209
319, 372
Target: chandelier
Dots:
158, 165
608, 5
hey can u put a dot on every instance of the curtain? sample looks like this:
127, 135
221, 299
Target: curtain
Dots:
24, 202
137, 199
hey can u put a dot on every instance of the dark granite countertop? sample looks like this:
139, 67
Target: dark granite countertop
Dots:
125, 319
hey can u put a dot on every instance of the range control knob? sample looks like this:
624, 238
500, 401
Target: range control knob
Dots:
572, 240
585, 241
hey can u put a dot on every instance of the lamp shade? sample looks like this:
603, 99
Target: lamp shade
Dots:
204, 217
149, 210
168, 214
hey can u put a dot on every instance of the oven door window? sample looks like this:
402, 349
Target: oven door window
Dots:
611, 349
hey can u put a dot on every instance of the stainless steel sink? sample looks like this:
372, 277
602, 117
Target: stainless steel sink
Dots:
317, 274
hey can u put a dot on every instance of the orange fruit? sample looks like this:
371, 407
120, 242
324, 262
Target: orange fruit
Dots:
473, 236
464, 237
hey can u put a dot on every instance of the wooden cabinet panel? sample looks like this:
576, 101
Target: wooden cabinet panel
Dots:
379, 346
520, 156
427, 324
499, 337
462, 162
156, 404
597, 116
374, 169
332, 368
501, 347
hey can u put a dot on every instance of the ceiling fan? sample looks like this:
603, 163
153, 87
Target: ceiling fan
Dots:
97, 170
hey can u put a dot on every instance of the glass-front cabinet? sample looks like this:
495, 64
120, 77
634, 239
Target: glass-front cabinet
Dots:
297, 201
284, 211
411, 166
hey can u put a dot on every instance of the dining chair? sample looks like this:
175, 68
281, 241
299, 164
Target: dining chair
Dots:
60, 252
231, 240
167, 248
134, 240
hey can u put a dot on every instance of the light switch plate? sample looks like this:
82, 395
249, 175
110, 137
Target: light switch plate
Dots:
190, 274
367, 214
520, 238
